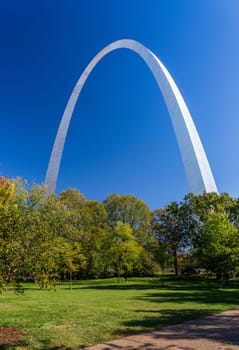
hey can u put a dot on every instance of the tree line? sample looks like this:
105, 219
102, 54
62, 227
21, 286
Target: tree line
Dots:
46, 239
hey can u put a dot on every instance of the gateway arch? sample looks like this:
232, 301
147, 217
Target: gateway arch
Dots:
197, 168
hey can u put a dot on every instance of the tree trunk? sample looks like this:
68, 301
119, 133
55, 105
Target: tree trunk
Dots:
126, 275
175, 262
162, 278
70, 280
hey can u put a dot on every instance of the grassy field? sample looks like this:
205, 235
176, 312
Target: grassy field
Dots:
95, 311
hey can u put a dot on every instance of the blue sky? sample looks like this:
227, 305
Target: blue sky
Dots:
120, 138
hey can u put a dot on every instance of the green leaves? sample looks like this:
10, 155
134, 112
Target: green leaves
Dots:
124, 251
48, 238
171, 226
218, 251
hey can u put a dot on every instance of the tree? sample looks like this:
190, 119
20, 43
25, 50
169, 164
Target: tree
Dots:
12, 252
124, 250
94, 236
7, 192
132, 211
162, 255
50, 227
91, 228
218, 248
73, 199
129, 210
172, 226
71, 258
201, 205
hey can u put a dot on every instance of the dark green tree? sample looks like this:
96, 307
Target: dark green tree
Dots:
218, 248
172, 228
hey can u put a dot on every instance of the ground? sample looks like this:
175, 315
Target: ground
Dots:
10, 335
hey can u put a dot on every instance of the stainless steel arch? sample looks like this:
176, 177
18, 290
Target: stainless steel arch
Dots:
197, 168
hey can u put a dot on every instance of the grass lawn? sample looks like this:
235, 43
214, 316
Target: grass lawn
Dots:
96, 311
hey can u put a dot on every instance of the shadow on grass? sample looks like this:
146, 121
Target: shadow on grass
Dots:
160, 319
222, 328
45, 344
177, 291
213, 296
226, 328
168, 282
186, 283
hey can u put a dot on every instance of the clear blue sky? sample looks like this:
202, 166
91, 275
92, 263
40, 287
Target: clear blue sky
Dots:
121, 138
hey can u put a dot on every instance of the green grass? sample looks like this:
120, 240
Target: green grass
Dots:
96, 311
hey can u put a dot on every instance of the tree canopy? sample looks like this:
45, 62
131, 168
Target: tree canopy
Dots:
49, 238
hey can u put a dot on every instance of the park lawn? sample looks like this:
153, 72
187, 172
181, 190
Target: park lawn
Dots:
96, 311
